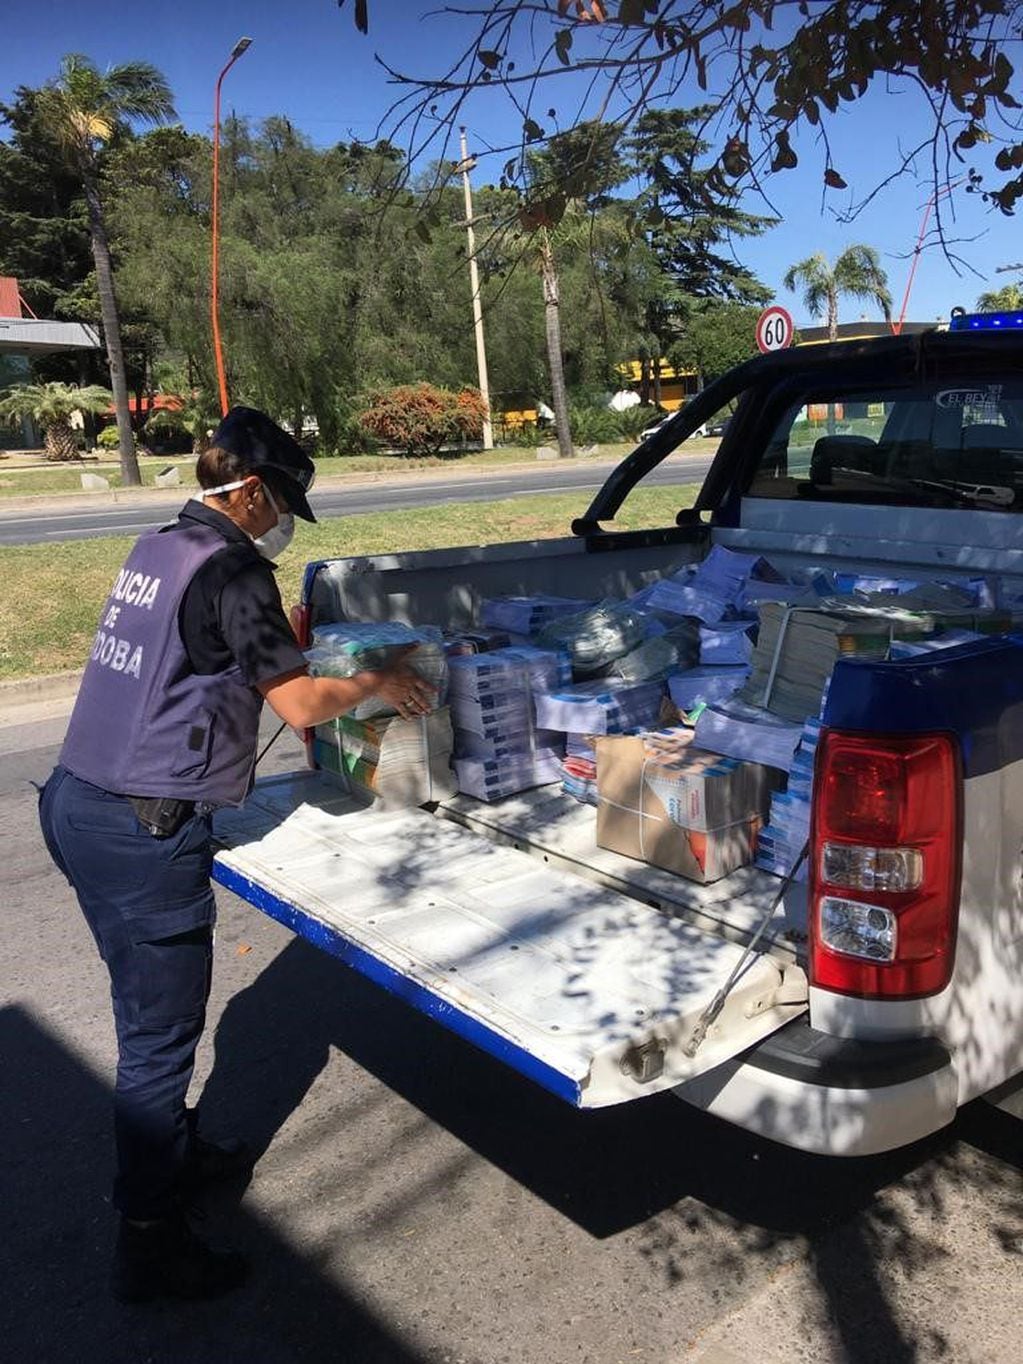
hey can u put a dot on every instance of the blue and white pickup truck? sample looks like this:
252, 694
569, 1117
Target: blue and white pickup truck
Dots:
604, 979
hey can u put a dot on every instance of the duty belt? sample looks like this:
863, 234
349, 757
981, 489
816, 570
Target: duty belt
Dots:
161, 815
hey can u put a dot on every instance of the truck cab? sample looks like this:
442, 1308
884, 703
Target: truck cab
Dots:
848, 1013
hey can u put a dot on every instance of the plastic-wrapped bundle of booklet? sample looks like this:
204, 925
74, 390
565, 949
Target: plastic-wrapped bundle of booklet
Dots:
498, 748
594, 638
349, 647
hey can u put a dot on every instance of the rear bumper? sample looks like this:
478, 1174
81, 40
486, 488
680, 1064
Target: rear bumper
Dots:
830, 1095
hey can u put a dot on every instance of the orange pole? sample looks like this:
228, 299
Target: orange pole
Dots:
897, 326
240, 46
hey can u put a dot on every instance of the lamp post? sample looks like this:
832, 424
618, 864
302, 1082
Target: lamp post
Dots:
242, 45
465, 165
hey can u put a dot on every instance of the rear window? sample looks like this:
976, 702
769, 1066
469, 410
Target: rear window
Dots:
939, 444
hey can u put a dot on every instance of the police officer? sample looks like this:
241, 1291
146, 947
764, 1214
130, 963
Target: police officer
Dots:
191, 641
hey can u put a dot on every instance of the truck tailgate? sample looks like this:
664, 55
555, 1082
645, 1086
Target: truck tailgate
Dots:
587, 991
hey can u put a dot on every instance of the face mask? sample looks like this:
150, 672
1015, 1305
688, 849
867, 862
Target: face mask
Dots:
277, 539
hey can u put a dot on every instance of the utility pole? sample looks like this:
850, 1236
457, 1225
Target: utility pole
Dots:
466, 166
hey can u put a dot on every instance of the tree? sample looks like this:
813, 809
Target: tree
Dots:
577, 167
44, 236
52, 406
1009, 298
773, 78
85, 111
857, 271
716, 337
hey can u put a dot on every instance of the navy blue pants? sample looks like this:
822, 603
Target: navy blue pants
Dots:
150, 907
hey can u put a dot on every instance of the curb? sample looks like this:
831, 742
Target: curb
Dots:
30, 691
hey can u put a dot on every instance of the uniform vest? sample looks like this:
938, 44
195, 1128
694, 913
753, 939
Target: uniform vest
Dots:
144, 723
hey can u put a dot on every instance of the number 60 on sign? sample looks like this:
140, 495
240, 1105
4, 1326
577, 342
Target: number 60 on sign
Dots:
774, 329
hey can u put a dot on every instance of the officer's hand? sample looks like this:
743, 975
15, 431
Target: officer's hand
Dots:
403, 688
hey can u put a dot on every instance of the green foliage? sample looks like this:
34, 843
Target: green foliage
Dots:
1007, 299
108, 439
857, 271
52, 402
594, 425
635, 420
716, 336
769, 71
420, 419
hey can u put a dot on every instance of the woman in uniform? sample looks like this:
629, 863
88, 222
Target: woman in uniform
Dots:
191, 641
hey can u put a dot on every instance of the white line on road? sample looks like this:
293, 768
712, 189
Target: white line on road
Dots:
82, 532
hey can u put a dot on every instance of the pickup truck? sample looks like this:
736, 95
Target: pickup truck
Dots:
605, 979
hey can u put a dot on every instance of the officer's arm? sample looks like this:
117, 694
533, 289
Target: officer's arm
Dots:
302, 701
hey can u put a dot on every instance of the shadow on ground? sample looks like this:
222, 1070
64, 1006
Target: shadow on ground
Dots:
57, 1237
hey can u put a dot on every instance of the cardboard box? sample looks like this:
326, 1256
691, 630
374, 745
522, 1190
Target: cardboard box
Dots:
677, 807
399, 763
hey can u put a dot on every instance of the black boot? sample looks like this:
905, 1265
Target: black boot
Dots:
166, 1259
211, 1162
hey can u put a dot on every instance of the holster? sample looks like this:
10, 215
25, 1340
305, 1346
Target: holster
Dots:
161, 815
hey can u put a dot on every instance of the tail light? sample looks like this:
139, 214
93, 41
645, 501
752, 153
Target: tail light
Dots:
301, 623
885, 864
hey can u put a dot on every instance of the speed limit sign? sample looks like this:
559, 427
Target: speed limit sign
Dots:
774, 329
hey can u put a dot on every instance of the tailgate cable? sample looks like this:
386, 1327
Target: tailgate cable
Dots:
270, 742
715, 1006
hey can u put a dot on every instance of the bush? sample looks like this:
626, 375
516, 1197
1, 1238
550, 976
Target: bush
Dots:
107, 438
635, 420
594, 425
420, 419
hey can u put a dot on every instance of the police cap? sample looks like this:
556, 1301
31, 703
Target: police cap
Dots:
262, 444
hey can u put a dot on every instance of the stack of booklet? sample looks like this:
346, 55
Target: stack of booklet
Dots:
739, 730
499, 748
704, 686
602, 707
712, 590
579, 779
798, 647
526, 615
788, 827
399, 763
726, 644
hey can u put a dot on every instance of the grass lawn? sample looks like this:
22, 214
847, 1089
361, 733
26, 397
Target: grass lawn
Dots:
16, 480
52, 595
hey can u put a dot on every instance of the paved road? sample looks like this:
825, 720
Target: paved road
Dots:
415, 1203
49, 524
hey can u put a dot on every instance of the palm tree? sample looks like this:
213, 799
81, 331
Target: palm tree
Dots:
857, 271
197, 416
1009, 298
52, 405
83, 109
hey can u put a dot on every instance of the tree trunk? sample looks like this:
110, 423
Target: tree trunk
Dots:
644, 380
59, 441
555, 363
832, 317
111, 333
656, 363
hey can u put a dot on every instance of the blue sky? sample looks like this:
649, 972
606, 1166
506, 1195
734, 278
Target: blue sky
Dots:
308, 62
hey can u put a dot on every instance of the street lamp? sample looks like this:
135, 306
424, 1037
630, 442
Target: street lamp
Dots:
242, 45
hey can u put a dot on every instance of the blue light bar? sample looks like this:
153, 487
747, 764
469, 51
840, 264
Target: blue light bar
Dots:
987, 322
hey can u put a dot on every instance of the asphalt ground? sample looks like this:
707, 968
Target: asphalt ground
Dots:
416, 1203
73, 516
